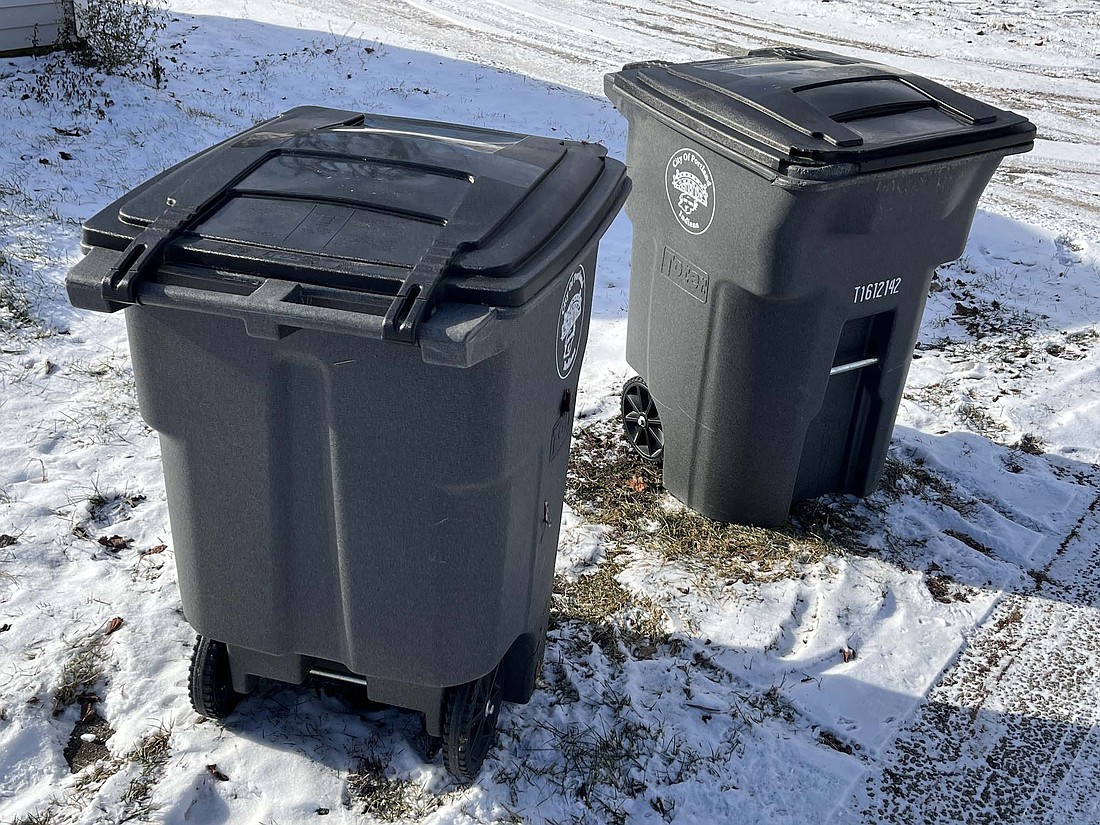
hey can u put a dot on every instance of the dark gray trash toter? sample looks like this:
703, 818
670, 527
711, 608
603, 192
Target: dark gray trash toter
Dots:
789, 209
359, 338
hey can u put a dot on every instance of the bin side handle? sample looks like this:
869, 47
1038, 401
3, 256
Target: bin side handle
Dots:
273, 311
853, 365
143, 255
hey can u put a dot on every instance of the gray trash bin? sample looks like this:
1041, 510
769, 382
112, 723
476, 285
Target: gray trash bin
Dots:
789, 209
359, 339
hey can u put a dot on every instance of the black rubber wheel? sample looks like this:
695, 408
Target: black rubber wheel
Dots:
211, 687
470, 725
642, 421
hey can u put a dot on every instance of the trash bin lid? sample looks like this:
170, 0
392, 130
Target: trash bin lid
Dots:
793, 109
367, 203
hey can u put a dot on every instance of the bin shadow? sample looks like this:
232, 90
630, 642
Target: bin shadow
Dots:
1000, 542
687, 726
331, 723
962, 509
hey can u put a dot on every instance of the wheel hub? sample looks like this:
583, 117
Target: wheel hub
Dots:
643, 421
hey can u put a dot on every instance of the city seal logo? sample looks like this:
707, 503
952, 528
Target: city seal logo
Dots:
570, 323
690, 189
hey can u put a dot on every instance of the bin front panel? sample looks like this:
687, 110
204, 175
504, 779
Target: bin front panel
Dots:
340, 498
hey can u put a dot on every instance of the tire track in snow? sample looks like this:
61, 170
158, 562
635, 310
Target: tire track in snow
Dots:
1011, 733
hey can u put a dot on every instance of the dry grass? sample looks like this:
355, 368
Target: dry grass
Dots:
620, 622
901, 478
80, 673
43, 818
618, 755
102, 509
15, 304
609, 485
95, 775
151, 754
389, 798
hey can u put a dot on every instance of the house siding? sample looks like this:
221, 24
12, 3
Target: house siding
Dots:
25, 24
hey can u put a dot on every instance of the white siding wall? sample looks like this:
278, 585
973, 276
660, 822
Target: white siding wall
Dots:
19, 19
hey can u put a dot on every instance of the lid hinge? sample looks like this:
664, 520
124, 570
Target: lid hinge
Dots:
144, 255
414, 298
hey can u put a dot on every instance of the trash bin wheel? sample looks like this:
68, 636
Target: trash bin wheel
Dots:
211, 687
470, 725
642, 421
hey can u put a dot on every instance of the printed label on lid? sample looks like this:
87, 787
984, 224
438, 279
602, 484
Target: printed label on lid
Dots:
690, 189
568, 339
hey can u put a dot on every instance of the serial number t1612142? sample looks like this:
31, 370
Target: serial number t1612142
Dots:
877, 289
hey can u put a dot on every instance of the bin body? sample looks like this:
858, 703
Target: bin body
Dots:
765, 259
343, 500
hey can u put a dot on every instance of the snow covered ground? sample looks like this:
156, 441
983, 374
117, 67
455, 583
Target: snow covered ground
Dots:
933, 659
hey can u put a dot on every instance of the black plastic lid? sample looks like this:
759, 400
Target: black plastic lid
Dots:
411, 209
787, 108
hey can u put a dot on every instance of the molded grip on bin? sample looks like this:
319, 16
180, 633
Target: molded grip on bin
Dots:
106, 280
965, 108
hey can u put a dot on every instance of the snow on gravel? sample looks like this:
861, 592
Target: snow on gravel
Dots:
939, 667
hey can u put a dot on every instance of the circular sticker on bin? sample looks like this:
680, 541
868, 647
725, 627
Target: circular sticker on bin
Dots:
690, 188
568, 341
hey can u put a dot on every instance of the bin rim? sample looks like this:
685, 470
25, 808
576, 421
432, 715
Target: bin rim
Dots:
759, 120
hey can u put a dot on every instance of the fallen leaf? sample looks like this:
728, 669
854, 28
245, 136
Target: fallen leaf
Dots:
115, 543
4, 628
217, 774
963, 311
67, 132
113, 625
64, 155
847, 653
87, 706
6, 541
160, 548
637, 484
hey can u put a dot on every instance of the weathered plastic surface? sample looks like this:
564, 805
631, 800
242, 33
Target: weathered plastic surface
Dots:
345, 502
751, 282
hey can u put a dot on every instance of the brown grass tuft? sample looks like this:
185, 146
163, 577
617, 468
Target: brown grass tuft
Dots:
610, 485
